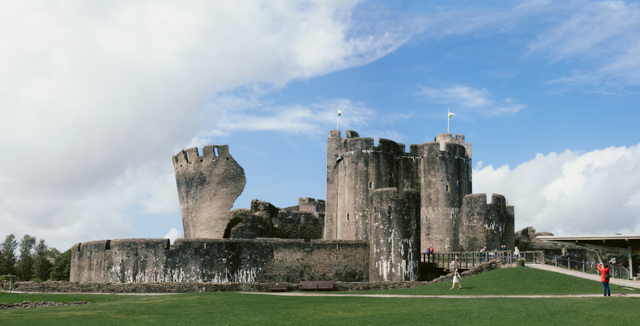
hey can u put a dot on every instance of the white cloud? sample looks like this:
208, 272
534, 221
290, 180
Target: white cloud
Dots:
96, 97
173, 235
571, 193
470, 99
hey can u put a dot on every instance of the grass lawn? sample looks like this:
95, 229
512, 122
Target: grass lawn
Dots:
513, 281
253, 309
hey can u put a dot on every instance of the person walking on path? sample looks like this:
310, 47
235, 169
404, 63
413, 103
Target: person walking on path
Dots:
456, 279
516, 253
604, 277
429, 252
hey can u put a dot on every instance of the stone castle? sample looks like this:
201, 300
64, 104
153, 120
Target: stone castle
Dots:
433, 178
384, 206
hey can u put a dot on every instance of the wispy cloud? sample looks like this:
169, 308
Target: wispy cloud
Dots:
241, 113
599, 41
604, 36
472, 100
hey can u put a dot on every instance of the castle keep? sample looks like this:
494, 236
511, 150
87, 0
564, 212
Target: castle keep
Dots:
439, 172
384, 206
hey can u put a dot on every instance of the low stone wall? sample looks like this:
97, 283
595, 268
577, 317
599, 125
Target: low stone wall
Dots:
186, 287
190, 287
219, 261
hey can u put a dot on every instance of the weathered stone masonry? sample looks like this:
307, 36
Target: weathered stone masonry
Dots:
219, 260
439, 171
207, 187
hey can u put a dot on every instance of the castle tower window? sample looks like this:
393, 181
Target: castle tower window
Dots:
370, 184
446, 187
347, 217
215, 152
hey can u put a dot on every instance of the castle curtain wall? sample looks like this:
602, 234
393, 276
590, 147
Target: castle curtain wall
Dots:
219, 261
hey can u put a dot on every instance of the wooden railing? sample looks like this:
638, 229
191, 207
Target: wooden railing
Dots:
468, 260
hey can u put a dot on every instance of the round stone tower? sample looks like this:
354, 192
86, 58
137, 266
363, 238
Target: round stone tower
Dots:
361, 169
445, 180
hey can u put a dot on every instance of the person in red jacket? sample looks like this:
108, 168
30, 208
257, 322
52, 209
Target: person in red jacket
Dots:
604, 277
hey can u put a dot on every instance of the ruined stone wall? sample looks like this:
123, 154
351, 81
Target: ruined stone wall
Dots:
308, 201
299, 225
483, 224
207, 187
219, 261
395, 235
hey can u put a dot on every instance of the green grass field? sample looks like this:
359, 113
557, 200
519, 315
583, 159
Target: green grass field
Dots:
254, 309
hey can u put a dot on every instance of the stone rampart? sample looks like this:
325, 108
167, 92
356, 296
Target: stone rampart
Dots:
190, 287
219, 261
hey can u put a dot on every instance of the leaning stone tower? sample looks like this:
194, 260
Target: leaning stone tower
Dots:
208, 185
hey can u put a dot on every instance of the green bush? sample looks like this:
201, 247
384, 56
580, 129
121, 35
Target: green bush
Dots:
61, 267
36, 279
1, 278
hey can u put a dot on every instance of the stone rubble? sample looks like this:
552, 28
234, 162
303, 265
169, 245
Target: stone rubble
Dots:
28, 304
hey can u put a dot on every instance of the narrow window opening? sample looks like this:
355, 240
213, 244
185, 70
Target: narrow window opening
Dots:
347, 217
215, 152
446, 188
370, 184
227, 158
200, 160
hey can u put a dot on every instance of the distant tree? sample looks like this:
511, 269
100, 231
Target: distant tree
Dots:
41, 264
62, 267
8, 255
53, 253
24, 266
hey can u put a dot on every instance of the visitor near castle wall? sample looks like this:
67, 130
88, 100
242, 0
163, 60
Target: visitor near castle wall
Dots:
516, 253
604, 277
456, 279
429, 252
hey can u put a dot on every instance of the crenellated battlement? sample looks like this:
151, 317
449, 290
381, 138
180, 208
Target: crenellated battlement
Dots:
210, 153
359, 144
479, 200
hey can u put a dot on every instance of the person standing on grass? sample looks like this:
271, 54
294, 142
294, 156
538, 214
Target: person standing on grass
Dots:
604, 277
516, 253
456, 279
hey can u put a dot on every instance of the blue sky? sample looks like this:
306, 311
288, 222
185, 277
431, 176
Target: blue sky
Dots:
96, 99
